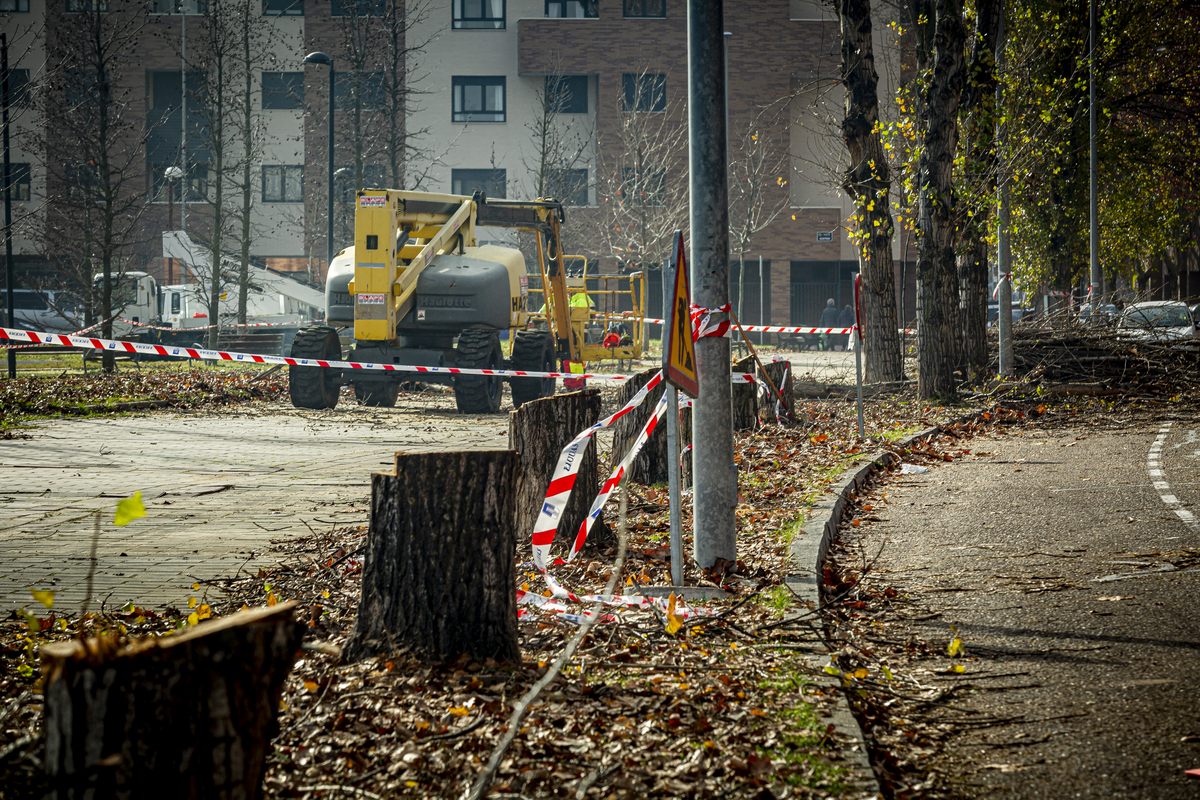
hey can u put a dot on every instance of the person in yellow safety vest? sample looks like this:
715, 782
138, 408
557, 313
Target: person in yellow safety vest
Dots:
581, 300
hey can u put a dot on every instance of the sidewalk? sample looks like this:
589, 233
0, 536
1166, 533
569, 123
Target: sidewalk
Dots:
1070, 574
217, 487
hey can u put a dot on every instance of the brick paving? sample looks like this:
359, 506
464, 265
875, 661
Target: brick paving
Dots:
218, 488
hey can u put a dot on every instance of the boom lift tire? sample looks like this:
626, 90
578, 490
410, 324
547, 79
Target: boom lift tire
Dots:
478, 348
315, 387
378, 396
533, 351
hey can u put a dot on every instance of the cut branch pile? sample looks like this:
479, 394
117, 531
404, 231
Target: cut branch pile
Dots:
1102, 361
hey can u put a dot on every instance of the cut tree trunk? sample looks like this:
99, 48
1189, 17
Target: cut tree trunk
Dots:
440, 577
745, 402
539, 431
187, 716
767, 399
651, 464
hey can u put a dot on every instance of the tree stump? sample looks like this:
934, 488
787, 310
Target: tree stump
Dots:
439, 577
538, 431
745, 402
651, 464
187, 716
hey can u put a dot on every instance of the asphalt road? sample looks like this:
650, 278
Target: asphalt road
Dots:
1069, 561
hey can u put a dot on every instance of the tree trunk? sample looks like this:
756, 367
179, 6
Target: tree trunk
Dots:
938, 334
979, 122
187, 716
685, 439
539, 431
745, 398
440, 575
651, 464
868, 183
767, 399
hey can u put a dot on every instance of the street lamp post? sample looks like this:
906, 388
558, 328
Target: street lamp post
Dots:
342, 175
172, 174
322, 58
9, 277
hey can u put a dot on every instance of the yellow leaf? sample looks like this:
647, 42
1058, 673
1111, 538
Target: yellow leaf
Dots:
412, 784
205, 611
310, 686
959, 668
757, 712
830, 669
193, 619
421, 725
955, 647
671, 604
139, 620
673, 624
129, 509
195, 587
43, 596
271, 599
887, 672
325, 594
459, 711
191, 602
861, 673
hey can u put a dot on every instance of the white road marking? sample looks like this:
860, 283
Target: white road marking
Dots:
1154, 467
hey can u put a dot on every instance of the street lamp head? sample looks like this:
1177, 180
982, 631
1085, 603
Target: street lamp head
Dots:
343, 173
173, 173
318, 58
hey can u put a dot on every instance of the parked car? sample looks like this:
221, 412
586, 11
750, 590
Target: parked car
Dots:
1109, 314
49, 310
1018, 312
1163, 320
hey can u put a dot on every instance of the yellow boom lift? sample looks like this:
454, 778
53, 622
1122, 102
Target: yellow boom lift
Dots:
417, 288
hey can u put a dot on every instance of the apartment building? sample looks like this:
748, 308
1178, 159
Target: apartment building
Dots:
473, 114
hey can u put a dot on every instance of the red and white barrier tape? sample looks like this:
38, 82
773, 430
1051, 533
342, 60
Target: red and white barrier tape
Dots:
210, 327
751, 328
76, 333
121, 346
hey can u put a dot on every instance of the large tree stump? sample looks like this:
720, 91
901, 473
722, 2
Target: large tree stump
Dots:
187, 716
538, 431
651, 464
745, 402
439, 577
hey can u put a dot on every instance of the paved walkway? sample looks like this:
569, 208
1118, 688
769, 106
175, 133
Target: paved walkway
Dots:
218, 488
1068, 560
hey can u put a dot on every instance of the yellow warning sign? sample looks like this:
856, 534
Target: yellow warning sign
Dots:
679, 351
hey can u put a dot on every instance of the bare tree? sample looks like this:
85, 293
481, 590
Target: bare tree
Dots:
94, 149
642, 172
559, 140
758, 192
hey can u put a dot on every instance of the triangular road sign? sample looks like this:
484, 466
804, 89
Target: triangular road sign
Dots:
679, 351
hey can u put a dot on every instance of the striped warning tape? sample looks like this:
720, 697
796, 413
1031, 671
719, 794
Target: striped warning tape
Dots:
76, 333
189, 329
754, 328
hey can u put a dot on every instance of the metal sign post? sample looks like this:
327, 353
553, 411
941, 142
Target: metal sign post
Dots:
679, 368
856, 334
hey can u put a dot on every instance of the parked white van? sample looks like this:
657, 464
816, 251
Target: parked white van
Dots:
49, 310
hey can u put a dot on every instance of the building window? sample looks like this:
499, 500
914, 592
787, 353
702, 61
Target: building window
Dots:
18, 182
80, 6
479, 15
368, 85
645, 92
283, 184
283, 8
578, 9
567, 94
177, 6
479, 99
83, 182
18, 87
357, 8
645, 8
492, 182
14, 5
643, 188
374, 177
282, 90
568, 185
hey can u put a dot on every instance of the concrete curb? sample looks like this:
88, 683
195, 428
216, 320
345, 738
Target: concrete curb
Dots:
809, 549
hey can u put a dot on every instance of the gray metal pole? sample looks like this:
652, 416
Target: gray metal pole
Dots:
329, 241
672, 443
1094, 188
9, 276
714, 473
183, 156
762, 294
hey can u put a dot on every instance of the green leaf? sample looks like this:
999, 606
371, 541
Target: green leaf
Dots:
129, 509
43, 596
